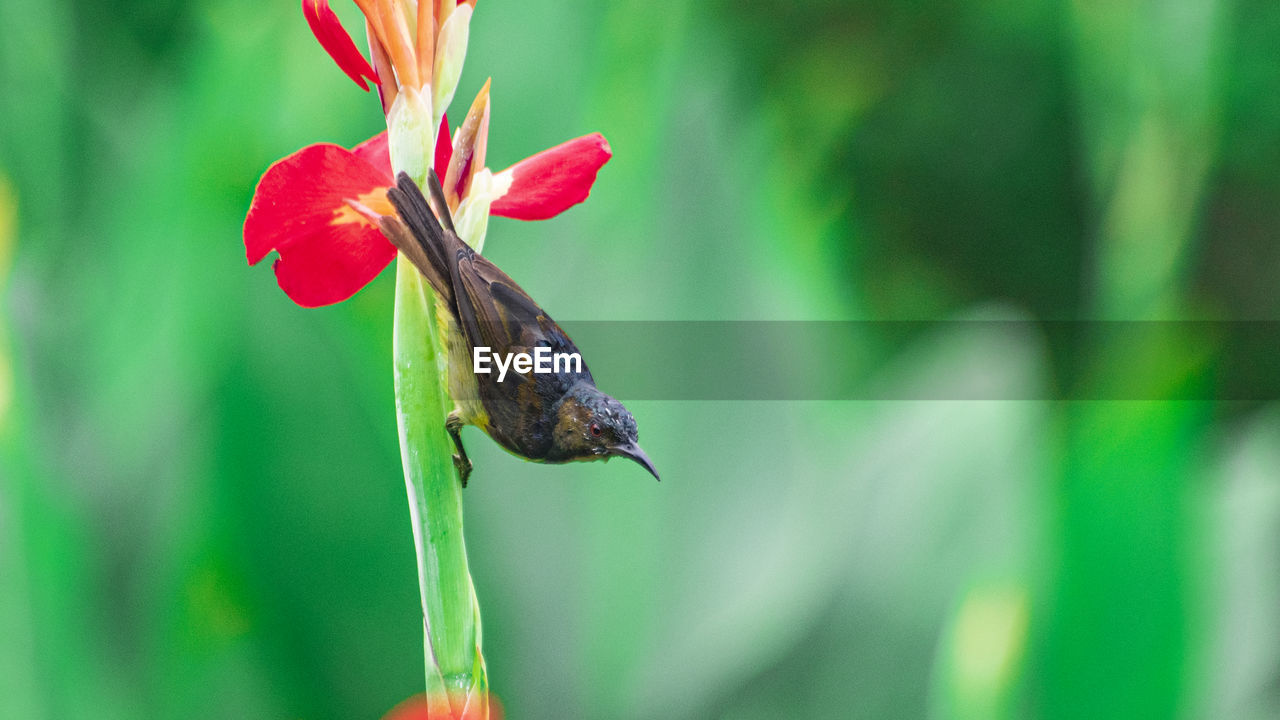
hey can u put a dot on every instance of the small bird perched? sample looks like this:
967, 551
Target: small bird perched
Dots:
552, 417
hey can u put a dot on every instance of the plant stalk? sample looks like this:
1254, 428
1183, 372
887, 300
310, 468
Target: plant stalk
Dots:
454, 663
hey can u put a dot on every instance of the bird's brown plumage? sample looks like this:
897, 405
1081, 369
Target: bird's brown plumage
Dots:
546, 417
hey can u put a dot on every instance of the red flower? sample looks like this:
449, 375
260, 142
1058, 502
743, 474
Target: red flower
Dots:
311, 207
328, 250
401, 53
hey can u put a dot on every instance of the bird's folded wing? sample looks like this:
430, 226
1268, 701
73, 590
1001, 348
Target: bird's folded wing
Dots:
496, 313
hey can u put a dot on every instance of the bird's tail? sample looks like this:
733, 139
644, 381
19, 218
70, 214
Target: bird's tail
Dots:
419, 234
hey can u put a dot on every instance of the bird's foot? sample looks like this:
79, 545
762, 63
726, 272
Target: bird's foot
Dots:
463, 464
460, 460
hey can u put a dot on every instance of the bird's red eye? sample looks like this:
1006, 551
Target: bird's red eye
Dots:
595, 429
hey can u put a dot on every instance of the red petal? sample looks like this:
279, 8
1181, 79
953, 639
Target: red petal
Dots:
374, 151
547, 184
444, 148
327, 251
335, 41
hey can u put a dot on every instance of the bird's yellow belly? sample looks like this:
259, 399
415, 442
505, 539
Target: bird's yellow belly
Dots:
462, 381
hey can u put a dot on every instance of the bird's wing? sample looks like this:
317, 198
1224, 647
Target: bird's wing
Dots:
492, 311
497, 313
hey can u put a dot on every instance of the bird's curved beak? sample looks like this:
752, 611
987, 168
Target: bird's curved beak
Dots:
633, 452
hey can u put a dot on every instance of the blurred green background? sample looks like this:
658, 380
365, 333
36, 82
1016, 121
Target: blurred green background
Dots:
201, 507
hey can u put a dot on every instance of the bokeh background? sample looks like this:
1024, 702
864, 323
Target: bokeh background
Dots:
201, 507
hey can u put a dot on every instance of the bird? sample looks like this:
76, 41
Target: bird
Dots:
546, 417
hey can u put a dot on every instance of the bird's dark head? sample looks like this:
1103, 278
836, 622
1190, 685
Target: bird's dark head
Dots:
593, 426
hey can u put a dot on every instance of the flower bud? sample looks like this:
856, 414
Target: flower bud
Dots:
410, 125
451, 51
471, 219
468, 149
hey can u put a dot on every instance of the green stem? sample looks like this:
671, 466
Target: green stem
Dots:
452, 618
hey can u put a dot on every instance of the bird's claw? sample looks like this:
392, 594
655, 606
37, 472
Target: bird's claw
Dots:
463, 464
460, 460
